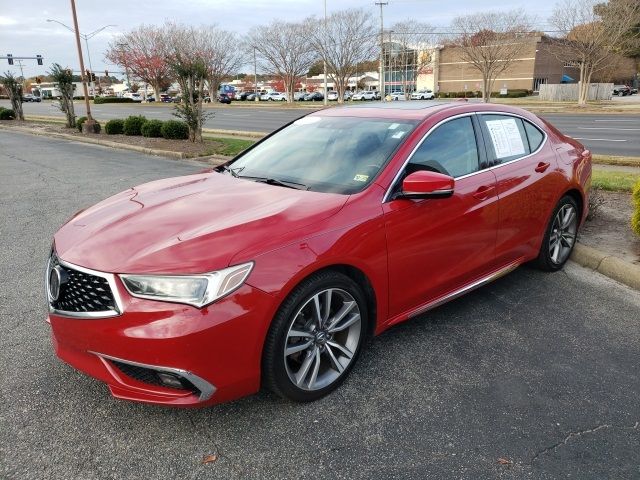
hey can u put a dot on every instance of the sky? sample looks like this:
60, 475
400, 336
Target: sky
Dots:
24, 30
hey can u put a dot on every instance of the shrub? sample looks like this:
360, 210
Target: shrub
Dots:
133, 124
152, 128
7, 114
175, 129
79, 123
635, 219
114, 127
99, 100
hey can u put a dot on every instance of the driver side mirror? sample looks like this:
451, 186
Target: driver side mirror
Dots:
426, 184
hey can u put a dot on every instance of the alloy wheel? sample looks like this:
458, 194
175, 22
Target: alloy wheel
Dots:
322, 339
563, 234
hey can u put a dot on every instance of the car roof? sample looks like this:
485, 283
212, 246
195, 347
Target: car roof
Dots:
414, 110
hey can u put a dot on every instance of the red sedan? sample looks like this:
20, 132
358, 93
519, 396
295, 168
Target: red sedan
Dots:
273, 269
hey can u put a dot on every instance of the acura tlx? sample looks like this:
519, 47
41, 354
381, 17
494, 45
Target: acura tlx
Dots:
273, 269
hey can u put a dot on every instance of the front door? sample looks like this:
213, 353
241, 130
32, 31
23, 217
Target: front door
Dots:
436, 246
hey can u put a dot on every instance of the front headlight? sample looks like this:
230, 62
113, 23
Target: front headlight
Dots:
196, 290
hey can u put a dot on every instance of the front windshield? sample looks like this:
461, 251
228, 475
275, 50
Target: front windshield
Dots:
324, 154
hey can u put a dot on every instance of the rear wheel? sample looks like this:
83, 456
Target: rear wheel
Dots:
560, 236
316, 337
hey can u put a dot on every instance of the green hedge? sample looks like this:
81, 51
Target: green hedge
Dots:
515, 93
133, 125
114, 127
7, 114
99, 100
175, 129
79, 122
152, 128
635, 219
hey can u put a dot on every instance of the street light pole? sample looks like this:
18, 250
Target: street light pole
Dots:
381, 81
324, 61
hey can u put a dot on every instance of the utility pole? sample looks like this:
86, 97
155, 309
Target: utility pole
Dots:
21, 73
381, 81
255, 76
90, 124
324, 61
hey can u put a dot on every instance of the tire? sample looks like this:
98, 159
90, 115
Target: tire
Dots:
294, 375
556, 250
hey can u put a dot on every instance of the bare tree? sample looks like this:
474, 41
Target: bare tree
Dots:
491, 42
13, 86
347, 38
284, 51
224, 59
590, 39
409, 51
140, 51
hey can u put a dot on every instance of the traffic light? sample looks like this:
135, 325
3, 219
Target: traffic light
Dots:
93, 77
10, 58
39, 59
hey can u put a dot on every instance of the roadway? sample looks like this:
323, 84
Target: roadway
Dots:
612, 134
540, 370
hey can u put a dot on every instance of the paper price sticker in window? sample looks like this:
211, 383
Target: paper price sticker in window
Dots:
506, 138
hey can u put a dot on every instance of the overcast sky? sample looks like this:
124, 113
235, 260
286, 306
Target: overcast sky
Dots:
24, 30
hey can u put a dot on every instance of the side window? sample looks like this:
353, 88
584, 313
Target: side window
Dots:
505, 138
534, 134
450, 149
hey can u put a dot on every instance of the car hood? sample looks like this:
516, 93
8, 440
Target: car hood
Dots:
191, 224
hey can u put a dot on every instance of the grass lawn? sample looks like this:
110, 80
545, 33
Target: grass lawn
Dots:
614, 181
226, 146
616, 160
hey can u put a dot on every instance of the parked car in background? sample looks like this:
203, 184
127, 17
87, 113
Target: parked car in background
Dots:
243, 95
314, 97
252, 96
397, 96
29, 97
273, 269
273, 97
621, 90
364, 95
136, 97
166, 98
634, 90
224, 98
299, 96
423, 95
332, 96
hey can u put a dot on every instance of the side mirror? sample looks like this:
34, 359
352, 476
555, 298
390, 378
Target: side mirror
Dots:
427, 184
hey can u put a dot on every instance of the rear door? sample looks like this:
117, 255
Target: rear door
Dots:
527, 177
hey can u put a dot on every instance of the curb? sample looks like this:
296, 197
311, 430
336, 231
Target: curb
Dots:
608, 265
234, 133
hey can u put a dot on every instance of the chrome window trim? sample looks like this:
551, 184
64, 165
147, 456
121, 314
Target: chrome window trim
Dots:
387, 195
89, 315
206, 389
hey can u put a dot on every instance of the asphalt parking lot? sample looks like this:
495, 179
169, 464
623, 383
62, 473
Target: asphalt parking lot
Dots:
534, 376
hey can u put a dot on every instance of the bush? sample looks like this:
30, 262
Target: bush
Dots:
175, 129
79, 123
99, 100
7, 114
114, 127
152, 128
133, 124
635, 219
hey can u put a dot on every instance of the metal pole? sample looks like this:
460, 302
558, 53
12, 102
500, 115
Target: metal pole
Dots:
86, 41
90, 121
381, 81
255, 76
324, 61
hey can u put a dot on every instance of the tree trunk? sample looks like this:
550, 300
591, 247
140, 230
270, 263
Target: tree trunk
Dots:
156, 90
486, 89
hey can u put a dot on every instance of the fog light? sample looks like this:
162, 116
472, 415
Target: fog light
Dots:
170, 380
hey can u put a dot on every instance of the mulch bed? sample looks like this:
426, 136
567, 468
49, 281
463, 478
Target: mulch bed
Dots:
610, 229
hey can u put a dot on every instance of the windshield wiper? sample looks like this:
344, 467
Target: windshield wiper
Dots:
233, 171
275, 181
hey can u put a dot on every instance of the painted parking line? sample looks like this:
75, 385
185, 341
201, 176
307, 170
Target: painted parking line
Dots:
598, 139
615, 120
608, 128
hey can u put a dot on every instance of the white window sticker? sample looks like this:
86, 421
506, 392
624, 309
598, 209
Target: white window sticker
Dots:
506, 138
393, 126
360, 178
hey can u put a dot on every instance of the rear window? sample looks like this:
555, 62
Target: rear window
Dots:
505, 137
534, 135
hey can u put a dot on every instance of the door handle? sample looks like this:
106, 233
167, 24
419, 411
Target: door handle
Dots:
542, 166
484, 192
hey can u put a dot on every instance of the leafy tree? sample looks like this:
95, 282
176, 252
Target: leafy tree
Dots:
13, 86
63, 78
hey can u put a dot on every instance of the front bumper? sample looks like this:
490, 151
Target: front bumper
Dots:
215, 352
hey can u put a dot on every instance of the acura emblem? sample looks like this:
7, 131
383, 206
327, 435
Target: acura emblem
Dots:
57, 278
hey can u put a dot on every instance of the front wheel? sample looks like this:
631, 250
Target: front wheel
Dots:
560, 236
315, 338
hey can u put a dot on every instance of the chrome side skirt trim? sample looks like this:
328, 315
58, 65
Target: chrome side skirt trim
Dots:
458, 293
206, 389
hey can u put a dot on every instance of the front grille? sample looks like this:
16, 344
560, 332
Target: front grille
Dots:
83, 292
150, 376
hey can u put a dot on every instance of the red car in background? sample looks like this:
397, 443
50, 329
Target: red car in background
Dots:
273, 269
